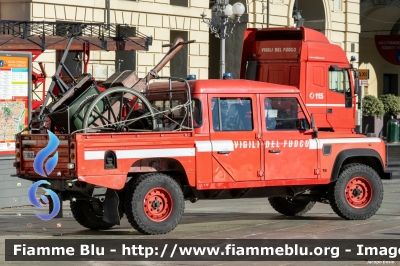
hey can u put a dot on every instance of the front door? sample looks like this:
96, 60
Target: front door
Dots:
236, 151
290, 150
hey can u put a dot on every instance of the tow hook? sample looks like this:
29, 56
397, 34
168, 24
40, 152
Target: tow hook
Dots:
194, 200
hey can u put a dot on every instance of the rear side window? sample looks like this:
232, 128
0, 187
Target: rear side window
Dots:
197, 113
284, 113
232, 114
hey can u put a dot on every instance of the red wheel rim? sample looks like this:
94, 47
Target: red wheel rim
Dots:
158, 204
358, 192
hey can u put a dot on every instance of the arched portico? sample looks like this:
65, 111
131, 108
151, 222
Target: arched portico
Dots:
379, 18
315, 12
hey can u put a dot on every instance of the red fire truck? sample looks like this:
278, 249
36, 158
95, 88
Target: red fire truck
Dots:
145, 153
305, 58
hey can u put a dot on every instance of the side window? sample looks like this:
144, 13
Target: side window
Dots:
179, 3
339, 81
197, 113
232, 114
284, 114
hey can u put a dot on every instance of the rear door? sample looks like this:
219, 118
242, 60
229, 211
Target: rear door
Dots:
290, 150
236, 151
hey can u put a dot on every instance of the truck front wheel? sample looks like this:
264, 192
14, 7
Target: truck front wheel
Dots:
357, 194
154, 204
291, 206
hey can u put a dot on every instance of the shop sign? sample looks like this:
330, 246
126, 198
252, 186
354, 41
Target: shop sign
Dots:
363, 74
388, 47
364, 82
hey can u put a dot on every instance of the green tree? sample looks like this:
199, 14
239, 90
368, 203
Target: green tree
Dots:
372, 106
391, 104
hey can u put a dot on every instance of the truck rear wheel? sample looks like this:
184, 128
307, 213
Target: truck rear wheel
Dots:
357, 194
291, 206
154, 204
90, 214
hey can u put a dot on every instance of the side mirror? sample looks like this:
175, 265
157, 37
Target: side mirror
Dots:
302, 124
357, 83
312, 121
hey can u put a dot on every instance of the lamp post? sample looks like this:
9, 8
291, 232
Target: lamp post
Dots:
222, 24
107, 13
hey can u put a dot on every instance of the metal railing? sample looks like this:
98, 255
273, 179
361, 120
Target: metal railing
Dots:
66, 29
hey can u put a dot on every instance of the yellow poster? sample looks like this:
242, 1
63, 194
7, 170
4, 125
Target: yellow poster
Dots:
14, 91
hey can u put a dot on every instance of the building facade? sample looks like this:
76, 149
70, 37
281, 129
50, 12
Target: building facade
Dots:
167, 19
380, 25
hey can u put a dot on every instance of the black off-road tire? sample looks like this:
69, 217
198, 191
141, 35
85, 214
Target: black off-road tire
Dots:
136, 205
337, 192
86, 216
291, 206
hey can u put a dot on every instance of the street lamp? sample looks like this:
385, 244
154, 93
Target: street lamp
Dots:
222, 24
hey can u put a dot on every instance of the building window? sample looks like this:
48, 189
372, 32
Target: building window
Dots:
126, 60
73, 62
179, 3
337, 4
390, 82
179, 63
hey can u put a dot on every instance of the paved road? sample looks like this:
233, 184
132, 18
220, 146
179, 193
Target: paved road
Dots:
241, 219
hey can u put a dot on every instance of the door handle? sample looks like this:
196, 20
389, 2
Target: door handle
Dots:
224, 152
274, 151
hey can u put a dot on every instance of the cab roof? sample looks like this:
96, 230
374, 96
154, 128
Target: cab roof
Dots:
226, 86
284, 34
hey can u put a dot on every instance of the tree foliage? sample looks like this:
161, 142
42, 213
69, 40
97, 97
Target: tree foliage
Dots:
372, 106
391, 104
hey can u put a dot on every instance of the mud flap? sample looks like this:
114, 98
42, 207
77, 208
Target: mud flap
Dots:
51, 205
251, 70
110, 206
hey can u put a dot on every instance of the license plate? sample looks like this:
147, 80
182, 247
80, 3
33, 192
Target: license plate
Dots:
29, 155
